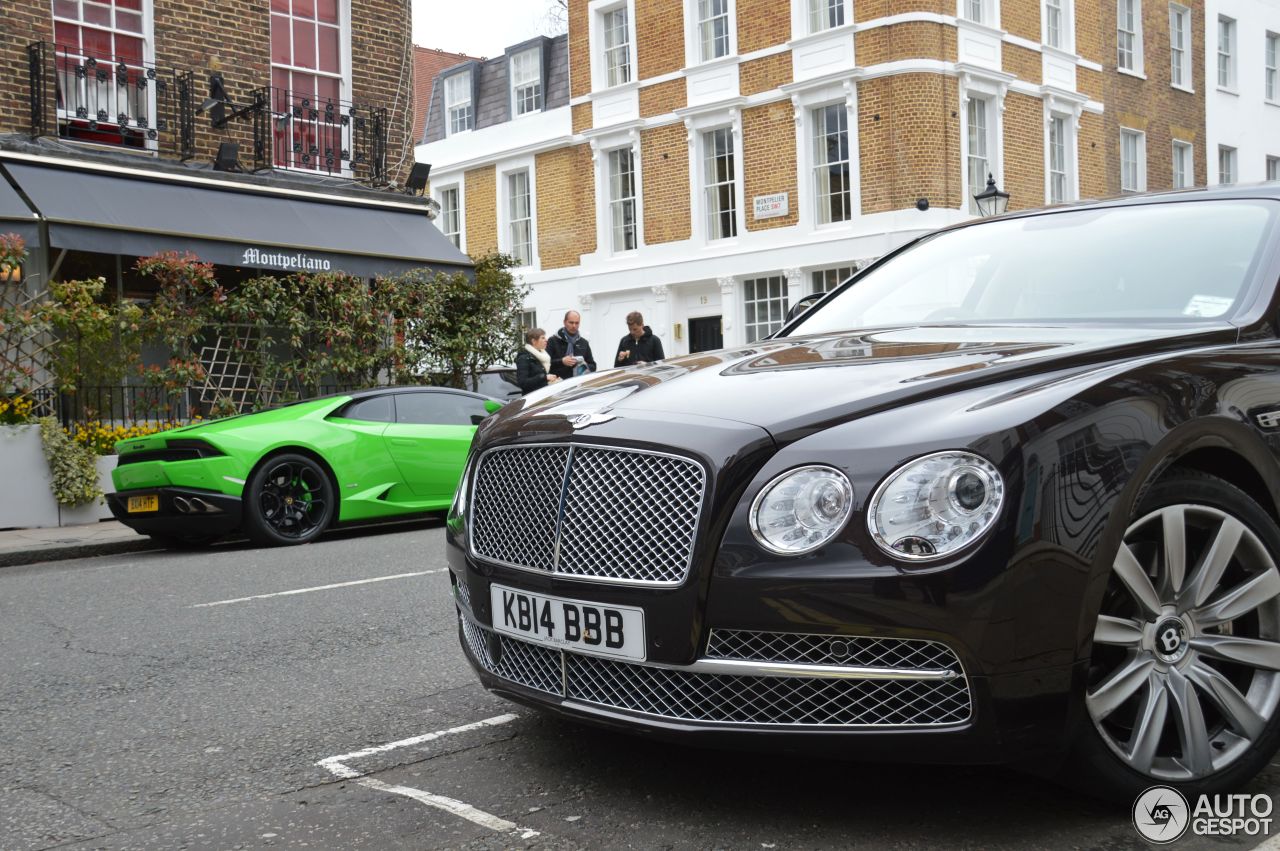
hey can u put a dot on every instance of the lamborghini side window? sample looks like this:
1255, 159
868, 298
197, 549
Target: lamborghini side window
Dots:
377, 409
439, 408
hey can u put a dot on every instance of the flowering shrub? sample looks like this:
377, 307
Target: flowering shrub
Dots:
74, 474
15, 410
100, 438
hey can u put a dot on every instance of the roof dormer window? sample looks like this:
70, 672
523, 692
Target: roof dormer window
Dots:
526, 81
457, 102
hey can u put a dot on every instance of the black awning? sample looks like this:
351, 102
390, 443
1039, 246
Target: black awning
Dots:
15, 215
137, 216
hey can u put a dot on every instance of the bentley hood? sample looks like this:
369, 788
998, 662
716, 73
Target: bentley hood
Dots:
785, 384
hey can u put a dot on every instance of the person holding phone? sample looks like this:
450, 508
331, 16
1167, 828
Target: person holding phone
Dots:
569, 350
532, 362
640, 345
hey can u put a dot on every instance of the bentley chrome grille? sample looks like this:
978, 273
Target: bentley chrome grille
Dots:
617, 515
858, 651
519, 661
688, 694
515, 505
739, 699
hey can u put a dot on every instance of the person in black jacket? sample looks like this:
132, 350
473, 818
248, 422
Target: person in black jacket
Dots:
569, 350
639, 346
532, 362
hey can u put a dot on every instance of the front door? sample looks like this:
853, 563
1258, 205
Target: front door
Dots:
704, 334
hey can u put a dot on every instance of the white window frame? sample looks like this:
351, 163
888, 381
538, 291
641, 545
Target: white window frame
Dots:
1228, 40
1270, 63
598, 11
1065, 40
982, 12
1273, 168
835, 275
343, 77
505, 242
614, 204
1184, 156
706, 14
817, 15
768, 326
805, 102
519, 96
462, 80
693, 34
1126, 9
439, 193
695, 126
1139, 183
1228, 165
973, 88
1180, 72
822, 200
67, 109
1055, 149
706, 187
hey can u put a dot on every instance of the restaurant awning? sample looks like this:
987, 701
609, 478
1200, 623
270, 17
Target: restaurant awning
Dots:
233, 224
15, 215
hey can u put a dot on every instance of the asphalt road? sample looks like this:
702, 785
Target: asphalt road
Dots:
134, 714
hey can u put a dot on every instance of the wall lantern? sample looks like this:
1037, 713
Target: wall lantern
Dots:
991, 201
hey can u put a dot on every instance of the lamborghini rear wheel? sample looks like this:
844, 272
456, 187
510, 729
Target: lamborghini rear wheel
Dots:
289, 500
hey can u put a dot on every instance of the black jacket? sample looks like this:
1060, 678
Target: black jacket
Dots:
645, 350
558, 347
529, 372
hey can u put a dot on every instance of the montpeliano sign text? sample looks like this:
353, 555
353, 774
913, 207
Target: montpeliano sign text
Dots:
280, 260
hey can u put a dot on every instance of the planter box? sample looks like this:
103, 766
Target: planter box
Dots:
92, 512
26, 498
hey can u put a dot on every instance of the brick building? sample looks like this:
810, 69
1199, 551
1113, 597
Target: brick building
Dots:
711, 161
259, 135
427, 65
1242, 100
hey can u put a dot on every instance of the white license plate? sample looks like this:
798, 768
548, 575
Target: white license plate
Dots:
569, 624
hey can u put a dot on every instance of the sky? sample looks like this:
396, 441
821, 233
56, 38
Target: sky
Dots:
478, 27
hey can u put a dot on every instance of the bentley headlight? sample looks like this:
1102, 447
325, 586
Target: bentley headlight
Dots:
936, 505
802, 509
459, 507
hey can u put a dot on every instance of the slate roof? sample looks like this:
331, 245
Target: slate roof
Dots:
427, 63
493, 99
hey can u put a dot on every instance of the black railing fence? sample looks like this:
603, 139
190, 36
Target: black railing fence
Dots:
120, 405
321, 134
110, 99
122, 101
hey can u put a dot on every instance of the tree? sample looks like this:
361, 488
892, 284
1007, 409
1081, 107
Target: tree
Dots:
556, 19
466, 324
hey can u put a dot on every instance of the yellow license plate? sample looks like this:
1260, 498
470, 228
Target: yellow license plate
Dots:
137, 504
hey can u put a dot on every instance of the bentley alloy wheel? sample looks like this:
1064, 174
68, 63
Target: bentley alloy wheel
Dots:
1183, 683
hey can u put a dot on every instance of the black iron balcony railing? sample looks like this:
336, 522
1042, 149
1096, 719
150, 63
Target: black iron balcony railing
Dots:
311, 133
110, 99
119, 101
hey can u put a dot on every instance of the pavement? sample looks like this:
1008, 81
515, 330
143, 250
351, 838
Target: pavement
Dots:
27, 546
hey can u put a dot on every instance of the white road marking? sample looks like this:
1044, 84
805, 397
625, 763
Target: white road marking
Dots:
336, 765
317, 588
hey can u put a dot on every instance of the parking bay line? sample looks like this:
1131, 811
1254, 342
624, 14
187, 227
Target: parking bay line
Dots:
337, 766
316, 588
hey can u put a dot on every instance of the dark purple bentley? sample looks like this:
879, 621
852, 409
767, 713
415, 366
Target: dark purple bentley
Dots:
1008, 495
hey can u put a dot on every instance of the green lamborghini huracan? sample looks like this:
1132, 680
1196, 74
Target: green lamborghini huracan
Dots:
284, 476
